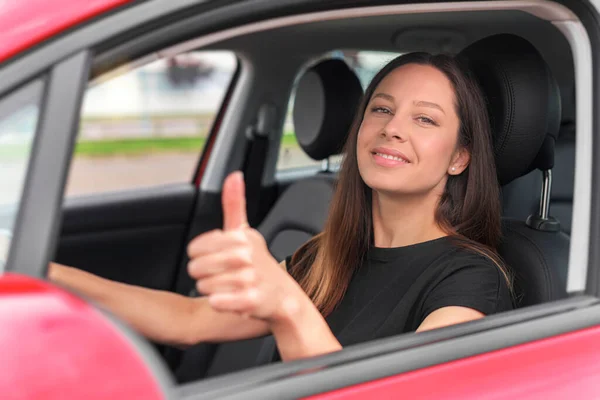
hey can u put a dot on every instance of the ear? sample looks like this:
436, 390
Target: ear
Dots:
460, 161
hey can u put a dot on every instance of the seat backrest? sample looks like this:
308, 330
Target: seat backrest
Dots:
525, 110
297, 215
327, 97
538, 259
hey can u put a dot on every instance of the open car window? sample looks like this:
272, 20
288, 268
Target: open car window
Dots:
146, 126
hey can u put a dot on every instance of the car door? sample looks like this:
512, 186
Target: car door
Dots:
508, 354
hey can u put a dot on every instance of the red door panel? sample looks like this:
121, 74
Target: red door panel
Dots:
55, 346
561, 367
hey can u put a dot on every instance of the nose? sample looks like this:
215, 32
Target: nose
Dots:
395, 130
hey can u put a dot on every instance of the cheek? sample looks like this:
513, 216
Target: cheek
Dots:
363, 145
434, 150
362, 138
368, 131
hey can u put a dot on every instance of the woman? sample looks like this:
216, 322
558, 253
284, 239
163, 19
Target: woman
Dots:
409, 243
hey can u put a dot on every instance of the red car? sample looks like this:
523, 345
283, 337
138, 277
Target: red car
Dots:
119, 120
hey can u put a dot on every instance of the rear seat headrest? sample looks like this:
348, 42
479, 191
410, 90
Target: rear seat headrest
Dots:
327, 97
523, 100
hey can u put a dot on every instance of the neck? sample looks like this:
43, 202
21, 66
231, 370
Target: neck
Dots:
404, 220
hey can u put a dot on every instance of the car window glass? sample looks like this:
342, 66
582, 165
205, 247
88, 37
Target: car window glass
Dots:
19, 114
144, 126
365, 64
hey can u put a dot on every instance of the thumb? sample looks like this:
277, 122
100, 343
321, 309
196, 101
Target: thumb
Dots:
234, 202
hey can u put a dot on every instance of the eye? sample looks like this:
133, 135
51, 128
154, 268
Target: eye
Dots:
381, 110
426, 120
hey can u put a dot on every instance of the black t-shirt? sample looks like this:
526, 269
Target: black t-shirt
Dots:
396, 288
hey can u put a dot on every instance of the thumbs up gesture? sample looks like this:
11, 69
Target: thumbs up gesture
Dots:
233, 267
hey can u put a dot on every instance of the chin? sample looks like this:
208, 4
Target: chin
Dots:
398, 186
385, 184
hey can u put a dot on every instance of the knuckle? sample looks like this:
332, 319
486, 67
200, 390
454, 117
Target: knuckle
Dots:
242, 256
238, 236
201, 286
198, 243
248, 276
192, 268
256, 235
192, 247
213, 233
252, 297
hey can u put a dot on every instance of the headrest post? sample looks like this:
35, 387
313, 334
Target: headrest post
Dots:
545, 197
543, 221
325, 164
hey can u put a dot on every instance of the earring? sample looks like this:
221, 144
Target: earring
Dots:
453, 169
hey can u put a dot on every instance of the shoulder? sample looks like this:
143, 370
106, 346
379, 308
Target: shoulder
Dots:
458, 256
459, 260
468, 267
467, 279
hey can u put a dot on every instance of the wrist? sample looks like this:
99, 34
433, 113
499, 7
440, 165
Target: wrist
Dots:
291, 310
300, 330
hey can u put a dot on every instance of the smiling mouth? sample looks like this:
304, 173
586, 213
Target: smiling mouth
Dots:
390, 157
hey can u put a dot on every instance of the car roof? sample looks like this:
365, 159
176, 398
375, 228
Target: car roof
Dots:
26, 23
400, 33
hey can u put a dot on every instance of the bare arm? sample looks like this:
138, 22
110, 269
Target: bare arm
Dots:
304, 333
159, 315
447, 316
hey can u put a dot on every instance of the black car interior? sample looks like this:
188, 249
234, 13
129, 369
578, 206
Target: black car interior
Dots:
524, 106
140, 237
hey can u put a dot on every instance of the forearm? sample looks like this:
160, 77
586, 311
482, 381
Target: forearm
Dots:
160, 316
208, 325
303, 332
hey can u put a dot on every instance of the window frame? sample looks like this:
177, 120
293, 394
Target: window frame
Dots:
35, 89
216, 124
37, 221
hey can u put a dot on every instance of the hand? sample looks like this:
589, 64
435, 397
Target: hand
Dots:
234, 268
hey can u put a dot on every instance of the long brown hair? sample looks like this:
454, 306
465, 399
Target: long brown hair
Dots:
469, 209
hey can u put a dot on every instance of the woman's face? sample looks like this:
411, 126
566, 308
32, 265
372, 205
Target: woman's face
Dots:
407, 140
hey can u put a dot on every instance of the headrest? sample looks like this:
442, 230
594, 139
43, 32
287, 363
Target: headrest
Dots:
523, 101
327, 97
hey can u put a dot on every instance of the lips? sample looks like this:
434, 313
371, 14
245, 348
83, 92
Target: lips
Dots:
390, 155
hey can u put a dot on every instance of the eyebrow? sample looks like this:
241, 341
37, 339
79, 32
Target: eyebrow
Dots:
428, 104
384, 96
416, 103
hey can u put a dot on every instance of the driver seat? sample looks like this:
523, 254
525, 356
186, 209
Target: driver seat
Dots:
524, 107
